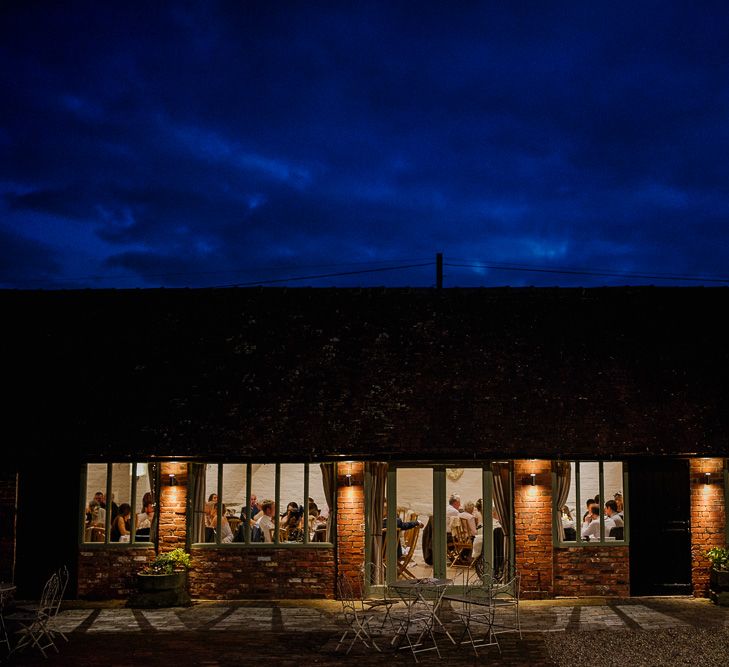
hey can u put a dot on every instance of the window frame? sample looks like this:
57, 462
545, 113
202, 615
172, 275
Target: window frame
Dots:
133, 543
247, 544
440, 498
557, 542
726, 501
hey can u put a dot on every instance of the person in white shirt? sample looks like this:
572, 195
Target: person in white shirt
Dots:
467, 514
611, 509
591, 527
453, 510
266, 521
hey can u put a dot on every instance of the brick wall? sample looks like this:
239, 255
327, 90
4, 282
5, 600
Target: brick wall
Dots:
350, 520
259, 573
8, 491
173, 507
533, 527
108, 573
708, 518
592, 570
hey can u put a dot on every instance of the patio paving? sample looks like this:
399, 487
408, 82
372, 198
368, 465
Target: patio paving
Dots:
640, 631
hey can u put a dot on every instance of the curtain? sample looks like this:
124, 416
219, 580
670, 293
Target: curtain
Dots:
329, 480
501, 496
197, 505
153, 470
375, 518
563, 471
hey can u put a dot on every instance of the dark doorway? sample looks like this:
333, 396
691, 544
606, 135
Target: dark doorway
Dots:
47, 525
660, 527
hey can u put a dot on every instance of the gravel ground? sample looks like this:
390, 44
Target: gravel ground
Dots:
678, 646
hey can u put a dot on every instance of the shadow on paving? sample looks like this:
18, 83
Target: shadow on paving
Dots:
237, 648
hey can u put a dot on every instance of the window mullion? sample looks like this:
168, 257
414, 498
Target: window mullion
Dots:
107, 509
277, 501
601, 486
249, 509
219, 508
578, 505
133, 520
305, 513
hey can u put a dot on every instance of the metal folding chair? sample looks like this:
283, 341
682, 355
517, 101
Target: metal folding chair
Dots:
506, 605
356, 620
476, 610
34, 630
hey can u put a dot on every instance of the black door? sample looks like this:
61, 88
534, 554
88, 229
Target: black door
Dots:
660, 529
47, 525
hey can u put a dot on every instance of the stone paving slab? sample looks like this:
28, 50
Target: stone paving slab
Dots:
292, 633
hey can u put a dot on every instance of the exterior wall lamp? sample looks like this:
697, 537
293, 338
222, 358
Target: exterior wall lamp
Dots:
348, 476
707, 478
533, 479
173, 480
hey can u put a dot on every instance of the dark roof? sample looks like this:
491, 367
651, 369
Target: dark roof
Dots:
302, 374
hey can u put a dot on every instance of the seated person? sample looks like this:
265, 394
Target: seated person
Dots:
255, 509
611, 509
121, 526
211, 522
619, 502
468, 514
95, 515
589, 503
402, 525
291, 521
591, 528
265, 522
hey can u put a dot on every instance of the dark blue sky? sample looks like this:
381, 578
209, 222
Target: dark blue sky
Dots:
218, 143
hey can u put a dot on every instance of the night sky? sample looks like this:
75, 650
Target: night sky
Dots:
201, 144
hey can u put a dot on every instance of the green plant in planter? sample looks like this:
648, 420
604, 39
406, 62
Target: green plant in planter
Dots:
719, 557
169, 563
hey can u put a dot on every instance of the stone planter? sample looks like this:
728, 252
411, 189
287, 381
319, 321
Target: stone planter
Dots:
160, 590
719, 586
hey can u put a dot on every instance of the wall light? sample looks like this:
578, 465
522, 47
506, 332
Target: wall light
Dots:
707, 478
533, 479
348, 476
173, 479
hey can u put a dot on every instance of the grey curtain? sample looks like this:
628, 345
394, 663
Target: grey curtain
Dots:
153, 470
563, 472
502, 502
375, 516
329, 480
197, 502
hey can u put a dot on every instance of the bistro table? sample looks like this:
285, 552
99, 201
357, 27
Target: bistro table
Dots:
6, 593
422, 599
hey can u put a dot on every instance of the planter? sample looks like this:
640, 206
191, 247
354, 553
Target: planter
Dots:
719, 586
160, 590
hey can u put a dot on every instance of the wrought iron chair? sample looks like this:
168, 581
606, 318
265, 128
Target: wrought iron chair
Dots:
505, 596
34, 624
475, 609
356, 620
371, 604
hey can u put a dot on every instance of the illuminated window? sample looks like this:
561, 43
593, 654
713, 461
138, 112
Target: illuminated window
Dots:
589, 503
119, 503
286, 504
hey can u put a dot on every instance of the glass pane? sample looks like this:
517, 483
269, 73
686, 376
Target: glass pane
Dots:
591, 501
234, 499
319, 511
211, 501
263, 501
146, 516
95, 519
613, 508
464, 539
293, 511
414, 523
569, 513
121, 502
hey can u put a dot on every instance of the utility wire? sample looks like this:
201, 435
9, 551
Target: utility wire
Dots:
614, 274
326, 275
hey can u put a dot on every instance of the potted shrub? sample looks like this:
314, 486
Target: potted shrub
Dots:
719, 575
163, 581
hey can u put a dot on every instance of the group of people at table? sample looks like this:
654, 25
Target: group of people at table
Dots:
613, 519
292, 522
121, 519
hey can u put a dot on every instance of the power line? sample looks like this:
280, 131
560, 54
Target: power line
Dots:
326, 275
614, 274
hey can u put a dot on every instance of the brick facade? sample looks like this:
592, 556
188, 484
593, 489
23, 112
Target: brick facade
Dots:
708, 518
8, 493
257, 573
350, 520
592, 570
173, 507
108, 573
533, 527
